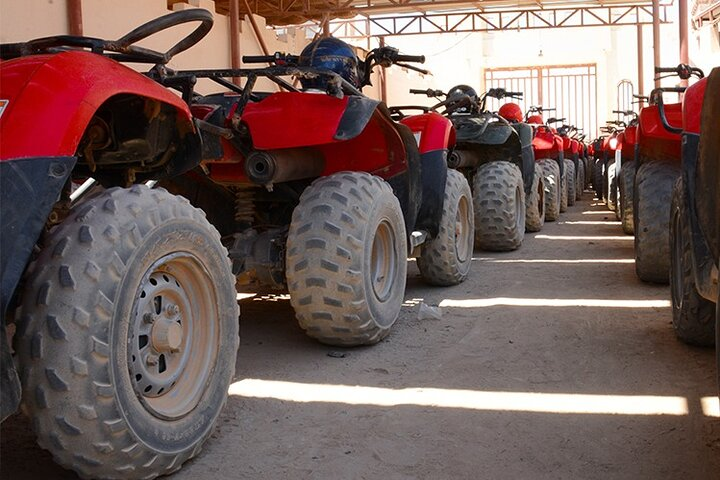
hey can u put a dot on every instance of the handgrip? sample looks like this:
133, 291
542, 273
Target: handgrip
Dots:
258, 58
410, 58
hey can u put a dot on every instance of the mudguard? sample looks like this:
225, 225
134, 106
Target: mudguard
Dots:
29, 187
692, 105
306, 119
435, 135
351, 133
525, 135
707, 199
654, 140
52, 98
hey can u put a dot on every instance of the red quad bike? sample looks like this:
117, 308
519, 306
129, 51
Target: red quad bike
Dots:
490, 152
659, 154
127, 328
123, 298
695, 215
571, 152
548, 152
319, 192
625, 170
612, 162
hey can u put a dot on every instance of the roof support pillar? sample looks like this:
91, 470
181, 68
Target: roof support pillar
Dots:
74, 12
683, 21
235, 37
656, 36
641, 77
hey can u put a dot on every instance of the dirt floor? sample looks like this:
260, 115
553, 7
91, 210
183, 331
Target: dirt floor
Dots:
550, 362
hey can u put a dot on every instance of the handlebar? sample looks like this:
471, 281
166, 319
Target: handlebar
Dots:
410, 58
278, 58
555, 120
429, 92
683, 71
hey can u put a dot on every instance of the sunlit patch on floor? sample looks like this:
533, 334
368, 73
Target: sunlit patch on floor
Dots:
710, 406
272, 297
591, 222
583, 237
596, 212
562, 403
553, 260
553, 302
243, 296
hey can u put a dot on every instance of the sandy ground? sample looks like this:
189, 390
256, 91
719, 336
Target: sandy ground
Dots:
549, 374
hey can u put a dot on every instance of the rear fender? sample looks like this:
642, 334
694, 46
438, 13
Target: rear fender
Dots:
52, 99
702, 234
692, 106
654, 140
306, 119
432, 131
708, 165
29, 187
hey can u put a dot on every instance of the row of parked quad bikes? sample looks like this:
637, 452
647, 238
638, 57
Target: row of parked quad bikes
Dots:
123, 294
658, 171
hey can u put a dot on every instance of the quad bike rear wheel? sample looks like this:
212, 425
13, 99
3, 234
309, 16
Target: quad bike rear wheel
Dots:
610, 187
580, 174
499, 206
598, 178
627, 179
652, 197
129, 335
347, 259
535, 202
551, 178
563, 189
693, 315
445, 260
571, 181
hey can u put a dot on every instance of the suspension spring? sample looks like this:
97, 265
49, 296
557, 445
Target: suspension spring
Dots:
245, 204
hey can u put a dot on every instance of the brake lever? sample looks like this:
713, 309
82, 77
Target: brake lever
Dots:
412, 67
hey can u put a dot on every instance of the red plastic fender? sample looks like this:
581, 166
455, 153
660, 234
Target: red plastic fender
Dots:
294, 119
544, 143
692, 106
574, 146
654, 140
431, 130
351, 133
51, 99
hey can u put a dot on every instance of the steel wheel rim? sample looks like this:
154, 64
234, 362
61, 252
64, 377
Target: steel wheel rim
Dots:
383, 262
463, 235
172, 336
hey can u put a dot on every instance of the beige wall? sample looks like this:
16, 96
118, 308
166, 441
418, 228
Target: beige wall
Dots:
26, 19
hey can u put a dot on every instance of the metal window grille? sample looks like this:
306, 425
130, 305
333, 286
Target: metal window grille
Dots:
570, 89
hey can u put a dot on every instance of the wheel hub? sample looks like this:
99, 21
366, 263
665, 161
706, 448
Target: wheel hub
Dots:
167, 336
158, 353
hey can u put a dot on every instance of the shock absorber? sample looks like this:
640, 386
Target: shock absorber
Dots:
245, 205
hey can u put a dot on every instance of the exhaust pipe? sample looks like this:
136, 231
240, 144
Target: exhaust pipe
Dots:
463, 158
276, 166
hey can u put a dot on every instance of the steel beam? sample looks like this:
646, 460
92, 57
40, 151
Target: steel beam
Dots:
476, 21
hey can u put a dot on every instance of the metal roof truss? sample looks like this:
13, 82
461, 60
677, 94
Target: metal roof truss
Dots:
488, 21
